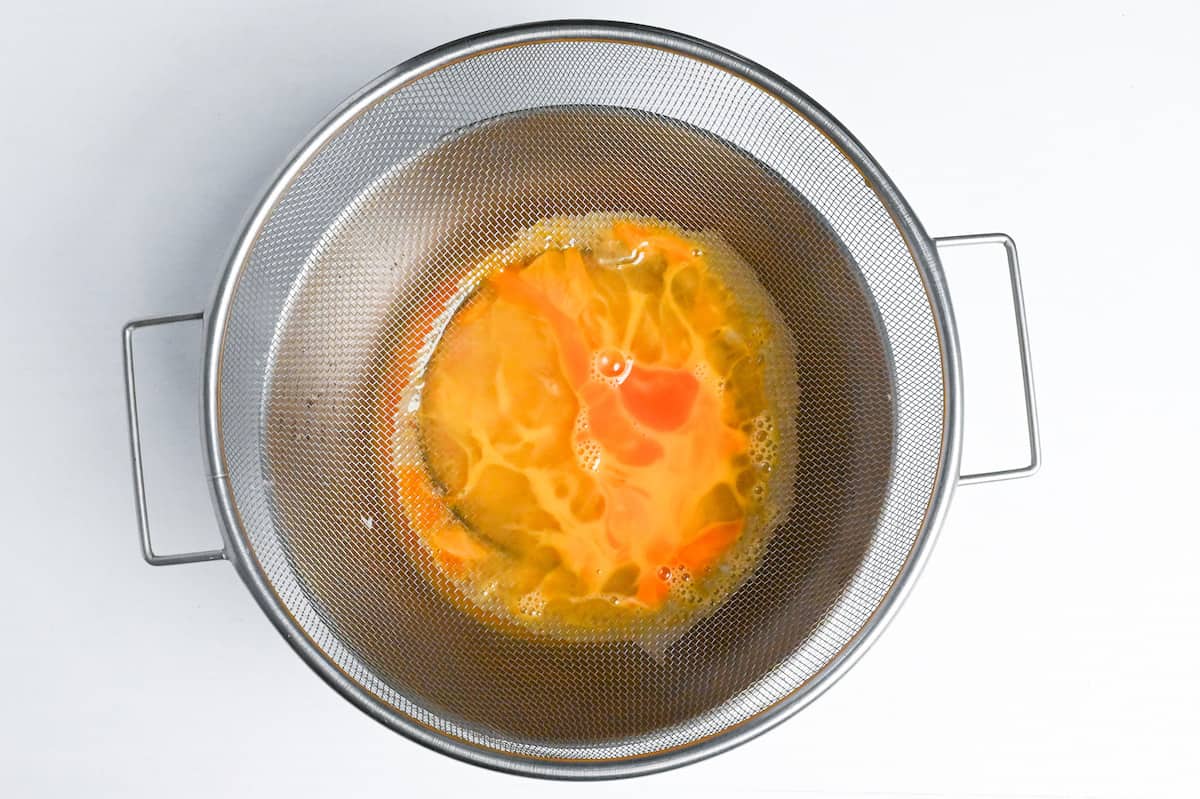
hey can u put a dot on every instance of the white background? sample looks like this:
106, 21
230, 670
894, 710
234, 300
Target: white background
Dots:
1050, 648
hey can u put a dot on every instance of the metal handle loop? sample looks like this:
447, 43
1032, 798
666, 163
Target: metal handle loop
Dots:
135, 448
1018, 297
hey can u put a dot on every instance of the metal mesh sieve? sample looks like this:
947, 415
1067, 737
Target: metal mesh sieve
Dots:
450, 157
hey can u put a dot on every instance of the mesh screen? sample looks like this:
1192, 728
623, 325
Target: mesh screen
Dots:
454, 164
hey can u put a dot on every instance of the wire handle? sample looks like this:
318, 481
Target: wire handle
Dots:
135, 448
1018, 297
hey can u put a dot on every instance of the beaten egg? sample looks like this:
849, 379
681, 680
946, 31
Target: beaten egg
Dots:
597, 410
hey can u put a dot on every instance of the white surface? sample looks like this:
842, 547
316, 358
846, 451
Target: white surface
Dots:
1050, 649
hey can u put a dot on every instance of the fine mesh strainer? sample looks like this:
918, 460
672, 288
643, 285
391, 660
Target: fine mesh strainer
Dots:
452, 155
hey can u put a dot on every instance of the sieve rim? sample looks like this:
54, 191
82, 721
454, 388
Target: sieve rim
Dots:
233, 530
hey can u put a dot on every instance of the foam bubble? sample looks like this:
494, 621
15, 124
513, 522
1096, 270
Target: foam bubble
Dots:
587, 449
705, 374
588, 454
683, 587
763, 445
583, 425
532, 604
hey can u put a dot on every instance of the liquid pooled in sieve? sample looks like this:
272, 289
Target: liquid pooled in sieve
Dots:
590, 448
